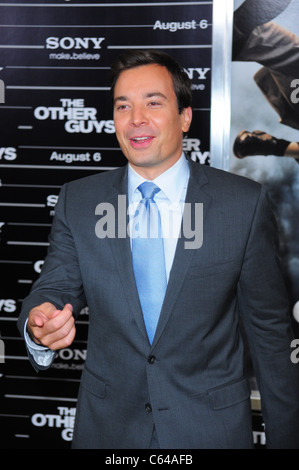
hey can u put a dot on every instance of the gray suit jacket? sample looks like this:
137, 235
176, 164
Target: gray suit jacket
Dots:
191, 383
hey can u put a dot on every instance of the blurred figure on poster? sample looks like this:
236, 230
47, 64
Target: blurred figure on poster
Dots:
258, 39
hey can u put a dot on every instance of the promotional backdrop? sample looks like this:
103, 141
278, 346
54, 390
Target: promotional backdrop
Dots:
56, 126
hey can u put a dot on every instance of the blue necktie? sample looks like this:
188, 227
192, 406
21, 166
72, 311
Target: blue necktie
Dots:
148, 257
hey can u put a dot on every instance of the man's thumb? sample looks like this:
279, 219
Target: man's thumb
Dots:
37, 320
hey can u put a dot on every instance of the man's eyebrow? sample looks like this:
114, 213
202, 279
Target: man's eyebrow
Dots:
150, 94
120, 98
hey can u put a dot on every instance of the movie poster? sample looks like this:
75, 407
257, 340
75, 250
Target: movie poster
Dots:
265, 115
264, 131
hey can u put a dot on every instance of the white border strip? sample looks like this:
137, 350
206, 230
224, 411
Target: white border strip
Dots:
221, 83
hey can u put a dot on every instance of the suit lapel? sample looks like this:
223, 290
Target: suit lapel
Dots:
121, 249
183, 256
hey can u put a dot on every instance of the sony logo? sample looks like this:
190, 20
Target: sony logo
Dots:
199, 72
74, 43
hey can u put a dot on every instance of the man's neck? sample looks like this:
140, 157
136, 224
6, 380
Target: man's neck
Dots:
151, 173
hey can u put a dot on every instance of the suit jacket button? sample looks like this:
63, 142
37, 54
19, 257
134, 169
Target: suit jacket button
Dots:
151, 359
148, 408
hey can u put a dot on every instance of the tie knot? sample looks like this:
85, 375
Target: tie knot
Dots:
148, 190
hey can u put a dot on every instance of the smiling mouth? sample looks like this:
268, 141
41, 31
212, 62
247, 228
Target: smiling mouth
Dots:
140, 140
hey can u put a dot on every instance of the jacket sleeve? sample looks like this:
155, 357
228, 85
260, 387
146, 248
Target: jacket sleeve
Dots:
265, 313
60, 279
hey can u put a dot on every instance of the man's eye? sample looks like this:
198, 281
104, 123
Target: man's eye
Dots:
121, 107
154, 103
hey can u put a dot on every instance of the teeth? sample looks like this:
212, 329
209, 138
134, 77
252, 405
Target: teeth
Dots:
138, 139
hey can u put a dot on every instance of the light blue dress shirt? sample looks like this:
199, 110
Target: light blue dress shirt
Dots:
170, 200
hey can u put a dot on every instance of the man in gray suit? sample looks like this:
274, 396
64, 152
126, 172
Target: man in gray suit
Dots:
187, 387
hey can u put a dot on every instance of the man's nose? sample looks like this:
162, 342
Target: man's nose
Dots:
138, 116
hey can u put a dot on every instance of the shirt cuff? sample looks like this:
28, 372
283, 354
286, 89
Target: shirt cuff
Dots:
42, 355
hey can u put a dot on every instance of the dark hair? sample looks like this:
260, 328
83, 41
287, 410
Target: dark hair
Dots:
136, 58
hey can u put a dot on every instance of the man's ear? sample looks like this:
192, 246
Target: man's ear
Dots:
186, 117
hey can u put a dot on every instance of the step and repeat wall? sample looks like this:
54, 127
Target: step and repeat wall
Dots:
56, 125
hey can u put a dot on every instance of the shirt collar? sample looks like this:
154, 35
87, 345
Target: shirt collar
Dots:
171, 182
